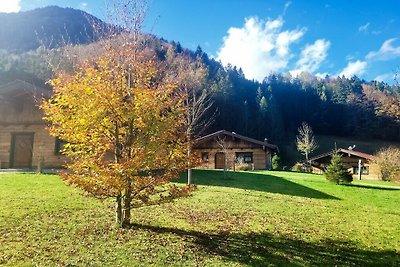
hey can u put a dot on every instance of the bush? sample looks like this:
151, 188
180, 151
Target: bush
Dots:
388, 161
240, 165
301, 167
298, 167
276, 162
336, 172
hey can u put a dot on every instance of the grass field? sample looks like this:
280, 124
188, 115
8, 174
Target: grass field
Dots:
253, 219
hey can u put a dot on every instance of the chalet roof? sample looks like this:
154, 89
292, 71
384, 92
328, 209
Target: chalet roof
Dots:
345, 151
235, 135
19, 87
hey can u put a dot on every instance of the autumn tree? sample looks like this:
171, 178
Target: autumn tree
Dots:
123, 119
386, 104
388, 160
305, 140
192, 77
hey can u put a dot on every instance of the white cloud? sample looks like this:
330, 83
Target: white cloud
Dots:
364, 28
321, 75
386, 52
354, 68
285, 39
83, 5
287, 5
9, 6
312, 56
259, 47
385, 77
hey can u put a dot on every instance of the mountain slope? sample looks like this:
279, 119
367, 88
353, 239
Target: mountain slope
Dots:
25, 31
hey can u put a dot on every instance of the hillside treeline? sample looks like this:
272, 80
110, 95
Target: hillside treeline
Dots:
273, 108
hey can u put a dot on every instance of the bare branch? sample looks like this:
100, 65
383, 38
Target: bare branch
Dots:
305, 140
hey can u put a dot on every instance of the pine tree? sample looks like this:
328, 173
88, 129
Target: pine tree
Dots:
336, 172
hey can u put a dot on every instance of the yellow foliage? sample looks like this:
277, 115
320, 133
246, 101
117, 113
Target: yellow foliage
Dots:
124, 123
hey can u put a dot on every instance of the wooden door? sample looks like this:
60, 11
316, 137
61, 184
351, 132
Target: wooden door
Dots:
21, 150
220, 160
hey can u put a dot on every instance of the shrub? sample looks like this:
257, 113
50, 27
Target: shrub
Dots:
301, 167
336, 172
276, 162
388, 160
240, 165
298, 167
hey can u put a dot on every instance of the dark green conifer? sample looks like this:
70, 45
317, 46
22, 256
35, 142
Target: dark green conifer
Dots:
336, 172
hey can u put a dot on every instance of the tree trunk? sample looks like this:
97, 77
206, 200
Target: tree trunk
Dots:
307, 163
118, 201
189, 153
189, 176
126, 221
189, 171
118, 211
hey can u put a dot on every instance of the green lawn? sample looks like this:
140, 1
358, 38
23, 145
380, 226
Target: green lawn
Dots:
254, 219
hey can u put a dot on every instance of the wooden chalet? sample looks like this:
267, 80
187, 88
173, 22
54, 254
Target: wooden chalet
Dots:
24, 142
225, 150
353, 160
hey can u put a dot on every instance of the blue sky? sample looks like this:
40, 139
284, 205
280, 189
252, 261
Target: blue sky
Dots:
360, 37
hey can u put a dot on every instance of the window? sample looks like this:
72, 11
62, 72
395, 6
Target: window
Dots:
59, 146
246, 157
204, 156
364, 170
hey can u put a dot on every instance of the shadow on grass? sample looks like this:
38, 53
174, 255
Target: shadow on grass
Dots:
254, 181
261, 249
372, 187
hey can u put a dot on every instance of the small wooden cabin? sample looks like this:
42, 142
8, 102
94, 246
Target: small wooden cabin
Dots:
351, 159
225, 150
24, 142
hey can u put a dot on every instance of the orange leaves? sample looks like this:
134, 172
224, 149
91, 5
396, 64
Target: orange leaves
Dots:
385, 104
124, 123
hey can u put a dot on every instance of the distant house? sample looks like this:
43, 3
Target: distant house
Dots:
351, 159
24, 142
224, 150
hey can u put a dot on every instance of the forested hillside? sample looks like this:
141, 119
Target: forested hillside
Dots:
272, 109
276, 107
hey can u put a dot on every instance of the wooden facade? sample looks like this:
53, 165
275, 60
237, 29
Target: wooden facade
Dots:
227, 150
24, 141
351, 159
